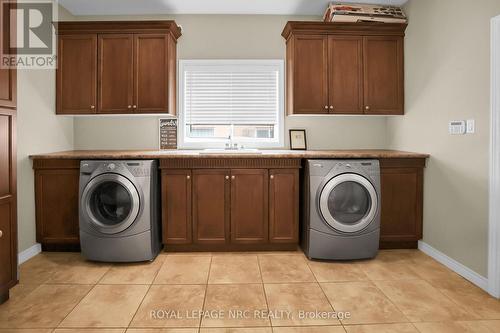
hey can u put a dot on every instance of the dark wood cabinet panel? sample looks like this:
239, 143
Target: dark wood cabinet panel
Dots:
249, 205
6, 255
115, 74
383, 75
8, 77
56, 192
283, 205
345, 67
116, 67
176, 206
211, 195
402, 206
76, 85
310, 74
238, 204
8, 168
5, 154
151, 73
7, 88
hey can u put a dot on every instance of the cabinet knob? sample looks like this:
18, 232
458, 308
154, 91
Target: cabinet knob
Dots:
326, 107
1, 233
129, 107
331, 107
227, 177
188, 177
233, 177
92, 107
367, 107
272, 176
134, 106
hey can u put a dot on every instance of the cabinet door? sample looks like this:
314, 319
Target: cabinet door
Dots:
76, 82
402, 196
7, 76
283, 205
151, 73
310, 74
116, 63
8, 237
176, 206
249, 205
56, 192
6, 264
383, 75
211, 195
345, 74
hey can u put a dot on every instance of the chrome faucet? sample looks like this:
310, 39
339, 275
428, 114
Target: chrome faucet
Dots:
230, 145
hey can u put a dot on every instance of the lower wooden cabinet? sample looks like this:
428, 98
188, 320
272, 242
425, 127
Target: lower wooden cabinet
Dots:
176, 203
249, 206
402, 202
211, 206
283, 205
230, 208
56, 200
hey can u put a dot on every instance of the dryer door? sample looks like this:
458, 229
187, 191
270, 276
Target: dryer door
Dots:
348, 202
111, 203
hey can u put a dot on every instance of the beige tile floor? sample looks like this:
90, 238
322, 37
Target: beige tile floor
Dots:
399, 291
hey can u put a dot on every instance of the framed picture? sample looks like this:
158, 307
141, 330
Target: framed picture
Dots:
298, 139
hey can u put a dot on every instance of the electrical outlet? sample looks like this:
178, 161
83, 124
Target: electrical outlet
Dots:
457, 127
471, 126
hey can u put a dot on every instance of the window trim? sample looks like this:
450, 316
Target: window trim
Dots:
220, 143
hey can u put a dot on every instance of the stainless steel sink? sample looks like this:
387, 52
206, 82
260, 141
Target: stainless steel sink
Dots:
230, 151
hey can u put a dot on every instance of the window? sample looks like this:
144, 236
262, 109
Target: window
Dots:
238, 100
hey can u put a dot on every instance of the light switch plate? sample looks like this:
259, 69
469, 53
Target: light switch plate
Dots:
471, 126
457, 127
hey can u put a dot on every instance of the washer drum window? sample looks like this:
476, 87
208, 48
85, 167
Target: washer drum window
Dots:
348, 203
111, 202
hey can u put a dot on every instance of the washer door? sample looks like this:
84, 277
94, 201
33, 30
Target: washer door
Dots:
111, 203
348, 202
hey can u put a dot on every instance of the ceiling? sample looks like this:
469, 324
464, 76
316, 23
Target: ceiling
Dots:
144, 7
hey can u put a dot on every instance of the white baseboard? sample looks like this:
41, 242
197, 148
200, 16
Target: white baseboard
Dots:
29, 253
454, 265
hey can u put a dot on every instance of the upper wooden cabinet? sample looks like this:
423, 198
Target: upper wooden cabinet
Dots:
313, 52
116, 67
344, 68
77, 74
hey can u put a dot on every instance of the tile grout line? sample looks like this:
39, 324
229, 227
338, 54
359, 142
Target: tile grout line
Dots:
137, 310
391, 301
74, 307
205, 295
145, 295
265, 294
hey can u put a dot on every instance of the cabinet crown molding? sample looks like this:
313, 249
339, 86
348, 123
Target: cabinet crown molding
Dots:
341, 28
103, 27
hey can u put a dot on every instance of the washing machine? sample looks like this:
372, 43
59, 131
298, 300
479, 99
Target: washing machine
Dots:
341, 207
119, 210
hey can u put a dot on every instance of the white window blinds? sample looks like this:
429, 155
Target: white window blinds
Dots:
231, 93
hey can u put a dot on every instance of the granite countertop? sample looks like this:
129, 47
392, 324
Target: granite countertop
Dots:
163, 154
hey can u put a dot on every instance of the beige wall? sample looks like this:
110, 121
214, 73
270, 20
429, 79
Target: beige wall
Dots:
39, 130
229, 37
447, 78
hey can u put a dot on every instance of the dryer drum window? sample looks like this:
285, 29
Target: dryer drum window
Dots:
348, 203
111, 202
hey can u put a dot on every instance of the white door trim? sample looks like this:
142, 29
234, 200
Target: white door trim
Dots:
494, 206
